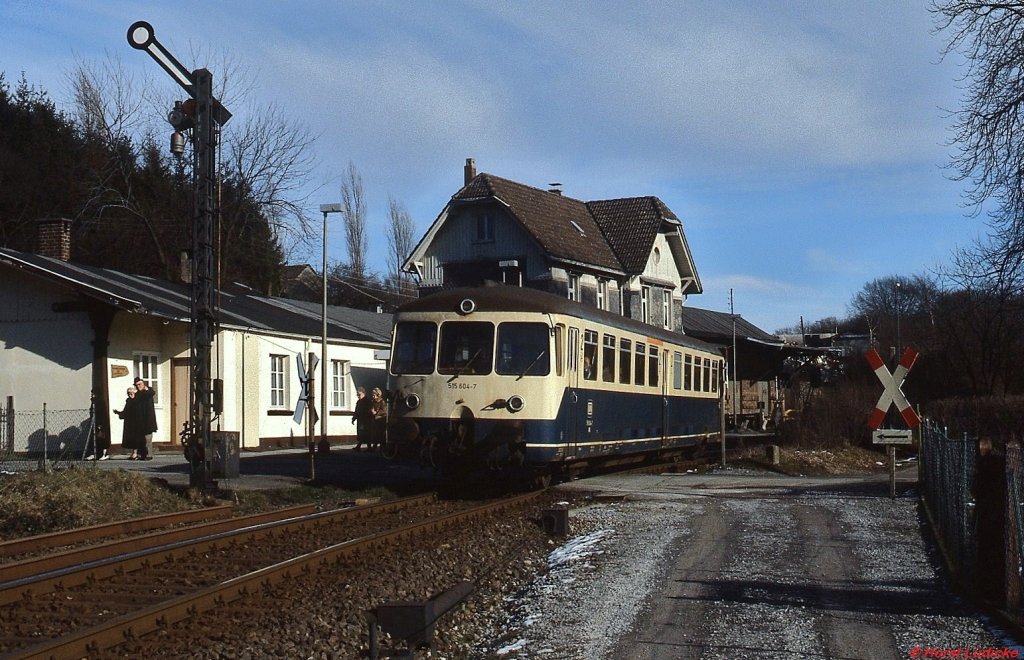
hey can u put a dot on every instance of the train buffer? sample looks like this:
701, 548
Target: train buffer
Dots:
412, 622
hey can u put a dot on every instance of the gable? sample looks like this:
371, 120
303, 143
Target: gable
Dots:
562, 226
630, 226
614, 238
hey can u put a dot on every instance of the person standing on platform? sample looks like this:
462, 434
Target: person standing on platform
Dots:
362, 417
147, 417
379, 410
131, 437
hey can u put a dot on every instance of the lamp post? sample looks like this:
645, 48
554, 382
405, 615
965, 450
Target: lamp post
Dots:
899, 346
324, 445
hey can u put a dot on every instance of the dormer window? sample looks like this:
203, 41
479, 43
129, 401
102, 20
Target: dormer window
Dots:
484, 228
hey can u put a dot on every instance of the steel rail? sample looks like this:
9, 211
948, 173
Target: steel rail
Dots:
137, 624
98, 570
19, 570
118, 528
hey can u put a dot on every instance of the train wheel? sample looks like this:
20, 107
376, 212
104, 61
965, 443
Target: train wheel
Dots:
542, 480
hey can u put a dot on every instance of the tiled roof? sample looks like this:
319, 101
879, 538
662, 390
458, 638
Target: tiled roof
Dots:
631, 225
562, 225
715, 326
239, 307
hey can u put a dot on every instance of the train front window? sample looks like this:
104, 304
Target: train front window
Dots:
414, 348
467, 347
523, 349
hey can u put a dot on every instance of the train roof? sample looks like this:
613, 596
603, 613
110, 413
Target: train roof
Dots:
502, 298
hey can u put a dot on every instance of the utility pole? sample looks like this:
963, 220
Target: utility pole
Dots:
204, 115
735, 384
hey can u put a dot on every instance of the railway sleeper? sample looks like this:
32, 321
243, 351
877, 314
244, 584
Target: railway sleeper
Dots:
413, 621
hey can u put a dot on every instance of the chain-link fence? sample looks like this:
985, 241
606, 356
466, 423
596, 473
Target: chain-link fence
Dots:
973, 490
1014, 527
44, 439
948, 472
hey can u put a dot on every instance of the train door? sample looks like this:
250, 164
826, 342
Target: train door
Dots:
664, 396
572, 372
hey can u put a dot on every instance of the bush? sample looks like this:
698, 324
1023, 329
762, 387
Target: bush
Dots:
996, 417
38, 503
836, 416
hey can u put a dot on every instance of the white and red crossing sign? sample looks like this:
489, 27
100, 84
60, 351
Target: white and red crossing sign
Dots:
892, 393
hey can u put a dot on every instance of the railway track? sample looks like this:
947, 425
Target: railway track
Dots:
77, 548
132, 600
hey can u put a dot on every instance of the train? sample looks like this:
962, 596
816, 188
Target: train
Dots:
515, 383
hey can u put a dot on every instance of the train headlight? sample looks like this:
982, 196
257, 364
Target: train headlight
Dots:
515, 403
412, 402
467, 306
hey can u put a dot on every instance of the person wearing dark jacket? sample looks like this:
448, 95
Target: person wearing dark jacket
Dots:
131, 437
362, 417
147, 417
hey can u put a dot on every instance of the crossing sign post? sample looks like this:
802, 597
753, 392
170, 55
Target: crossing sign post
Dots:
892, 394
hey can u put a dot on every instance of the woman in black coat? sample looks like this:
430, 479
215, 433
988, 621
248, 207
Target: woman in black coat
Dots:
131, 414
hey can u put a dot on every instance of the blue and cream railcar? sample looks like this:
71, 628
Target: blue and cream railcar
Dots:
508, 377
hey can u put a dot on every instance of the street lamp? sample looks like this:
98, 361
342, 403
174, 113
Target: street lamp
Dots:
324, 445
898, 343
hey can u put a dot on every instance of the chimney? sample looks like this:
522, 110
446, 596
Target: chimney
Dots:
556, 188
470, 170
53, 238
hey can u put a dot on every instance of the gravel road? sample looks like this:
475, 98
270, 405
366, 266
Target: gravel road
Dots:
735, 565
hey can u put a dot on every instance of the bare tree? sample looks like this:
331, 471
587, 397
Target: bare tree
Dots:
270, 157
266, 156
353, 210
400, 241
106, 103
989, 127
109, 110
887, 301
983, 318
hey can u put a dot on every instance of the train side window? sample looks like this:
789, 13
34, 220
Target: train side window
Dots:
625, 360
608, 359
652, 366
638, 364
714, 376
707, 374
559, 332
572, 349
688, 373
589, 355
677, 370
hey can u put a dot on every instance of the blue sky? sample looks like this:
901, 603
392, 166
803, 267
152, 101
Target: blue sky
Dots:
803, 144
